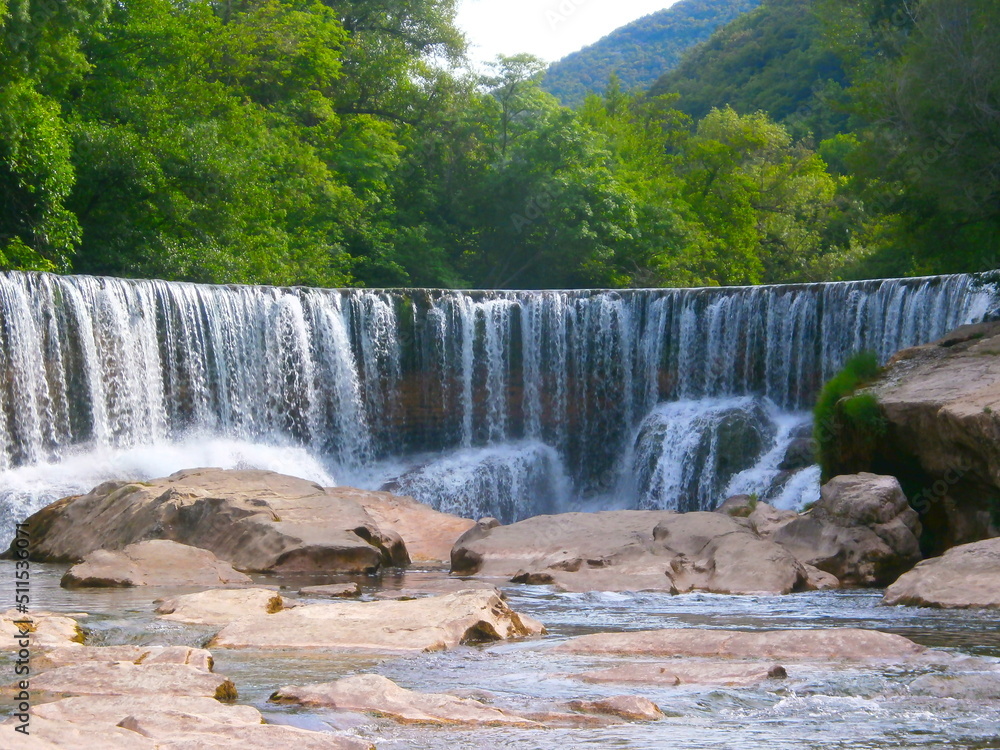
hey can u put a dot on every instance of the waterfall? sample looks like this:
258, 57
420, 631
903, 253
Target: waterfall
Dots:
359, 378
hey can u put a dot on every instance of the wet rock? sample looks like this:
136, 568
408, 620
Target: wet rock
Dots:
972, 687
964, 577
835, 644
628, 707
861, 530
799, 454
333, 590
185, 722
256, 520
371, 693
429, 534
675, 672
415, 586
152, 563
220, 606
631, 551
427, 624
126, 678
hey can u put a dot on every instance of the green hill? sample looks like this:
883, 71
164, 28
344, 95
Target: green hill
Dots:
641, 51
772, 59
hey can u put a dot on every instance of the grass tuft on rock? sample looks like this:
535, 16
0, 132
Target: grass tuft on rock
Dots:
846, 426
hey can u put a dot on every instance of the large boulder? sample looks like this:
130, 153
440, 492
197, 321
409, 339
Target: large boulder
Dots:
941, 406
156, 562
631, 550
964, 577
428, 533
862, 530
833, 644
256, 520
370, 693
390, 627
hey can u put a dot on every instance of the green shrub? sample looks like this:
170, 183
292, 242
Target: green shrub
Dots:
846, 427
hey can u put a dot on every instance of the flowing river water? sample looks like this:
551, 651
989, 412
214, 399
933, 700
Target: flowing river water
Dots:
857, 706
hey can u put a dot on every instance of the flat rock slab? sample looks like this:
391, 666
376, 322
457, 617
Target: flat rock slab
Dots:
220, 606
47, 734
47, 629
429, 534
428, 624
675, 672
187, 722
152, 563
975, 687
834, 644
371, 693
965, 577
64, 656
126, 678
255, 520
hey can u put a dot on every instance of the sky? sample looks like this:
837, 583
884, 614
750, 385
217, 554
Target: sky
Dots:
550, 29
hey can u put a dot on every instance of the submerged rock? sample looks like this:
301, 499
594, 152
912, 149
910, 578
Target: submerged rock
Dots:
370, 693
630, 551
428, 624
675, 672
153, 563
964, 577
628, 707
256, 520
862, 530
834, 644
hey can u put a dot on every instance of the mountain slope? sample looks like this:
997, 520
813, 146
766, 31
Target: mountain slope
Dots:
639, 52
772, 59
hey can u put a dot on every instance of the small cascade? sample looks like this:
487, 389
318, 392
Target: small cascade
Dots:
685, 452
360, 377
508, 482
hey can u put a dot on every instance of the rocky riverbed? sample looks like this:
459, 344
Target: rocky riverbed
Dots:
628, 629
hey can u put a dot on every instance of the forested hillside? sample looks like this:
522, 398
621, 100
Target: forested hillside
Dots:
639, 53
341, 143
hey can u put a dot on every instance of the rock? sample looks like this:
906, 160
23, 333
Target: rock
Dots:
861, 530
333, 590
126, 678
738, 506
941, 405
372, 693
417, 585
220, 606
799, 454
65, 735
675, 672
765, 519
629, 707
429, 534
153, 563
834, 644
965, 576
427, 624
47, 629
65, 656
973, 687
256, 520
185, 722
630, 551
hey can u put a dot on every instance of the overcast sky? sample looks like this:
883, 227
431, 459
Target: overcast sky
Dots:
550, 29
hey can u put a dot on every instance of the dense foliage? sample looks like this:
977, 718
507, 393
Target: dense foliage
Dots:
338, 142
638, 53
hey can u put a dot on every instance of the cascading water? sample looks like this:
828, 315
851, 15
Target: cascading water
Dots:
346, 382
